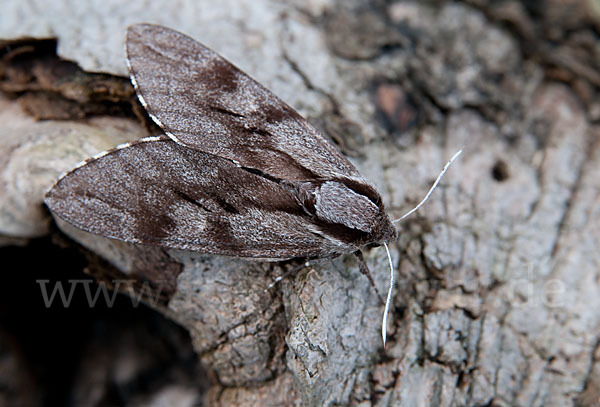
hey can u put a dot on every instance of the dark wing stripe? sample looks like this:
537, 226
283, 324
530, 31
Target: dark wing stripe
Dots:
191, 200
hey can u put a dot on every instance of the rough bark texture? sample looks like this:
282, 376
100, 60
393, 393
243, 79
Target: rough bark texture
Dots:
498, 282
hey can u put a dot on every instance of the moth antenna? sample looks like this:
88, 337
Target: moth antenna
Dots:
433, 187
388, 300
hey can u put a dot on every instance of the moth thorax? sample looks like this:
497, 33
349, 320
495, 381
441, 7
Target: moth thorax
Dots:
336, 203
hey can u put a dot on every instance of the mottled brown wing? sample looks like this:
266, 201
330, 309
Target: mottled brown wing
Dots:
158, 192
204, 102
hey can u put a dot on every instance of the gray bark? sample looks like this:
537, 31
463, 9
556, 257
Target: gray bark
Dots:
498, 283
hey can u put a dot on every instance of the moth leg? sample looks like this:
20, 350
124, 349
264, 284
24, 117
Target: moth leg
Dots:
364, 269
288, 273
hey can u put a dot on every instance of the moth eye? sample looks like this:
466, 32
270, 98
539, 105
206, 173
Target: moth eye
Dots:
336, 203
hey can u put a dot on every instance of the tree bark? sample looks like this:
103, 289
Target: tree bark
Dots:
498, 284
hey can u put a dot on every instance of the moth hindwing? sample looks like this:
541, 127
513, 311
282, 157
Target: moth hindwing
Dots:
239, 172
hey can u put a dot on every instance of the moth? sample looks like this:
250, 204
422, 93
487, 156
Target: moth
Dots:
237, 172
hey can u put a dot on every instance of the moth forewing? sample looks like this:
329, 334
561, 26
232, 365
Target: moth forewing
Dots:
204, 102
191, 201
